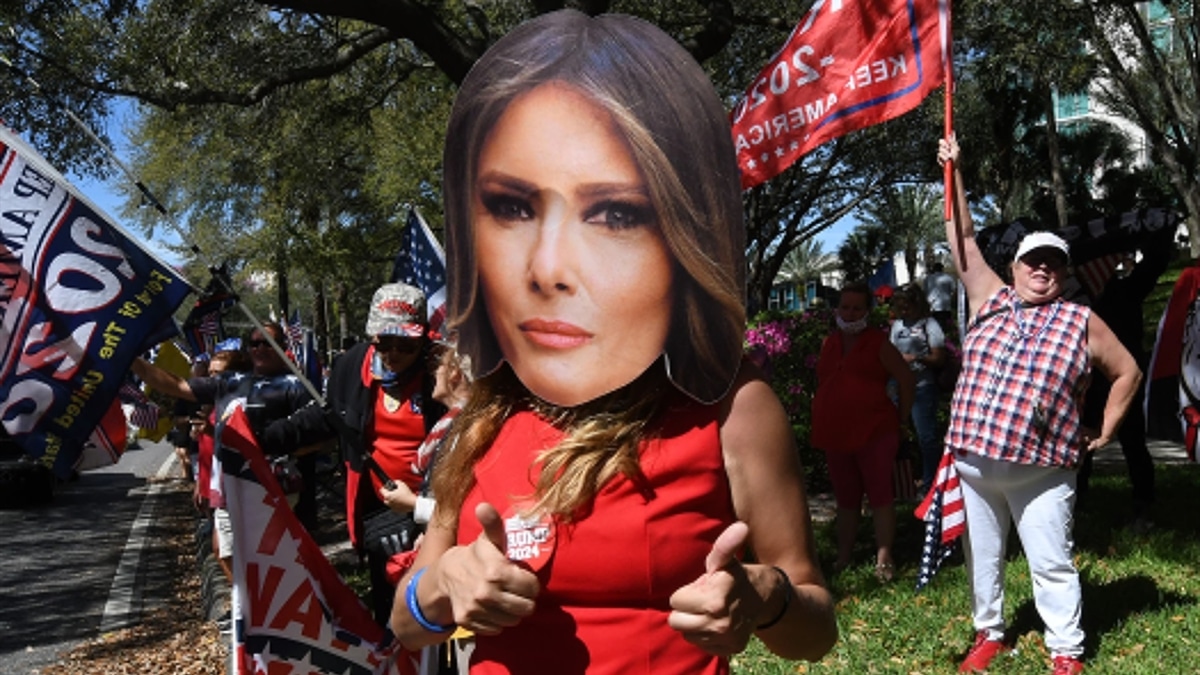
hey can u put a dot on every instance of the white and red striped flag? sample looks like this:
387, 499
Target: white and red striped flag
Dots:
295, 334
1095, 273
421, 262
292, 612
143, 412
945, 520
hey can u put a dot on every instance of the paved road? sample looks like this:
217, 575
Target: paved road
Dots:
80, 564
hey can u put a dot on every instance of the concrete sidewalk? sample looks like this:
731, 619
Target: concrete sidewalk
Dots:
1163, 452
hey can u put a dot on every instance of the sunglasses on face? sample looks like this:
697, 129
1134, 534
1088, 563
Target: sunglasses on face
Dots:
393, 343
1036, 259
258, 344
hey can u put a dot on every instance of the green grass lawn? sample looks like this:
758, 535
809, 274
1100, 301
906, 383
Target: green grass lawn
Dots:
1141, 595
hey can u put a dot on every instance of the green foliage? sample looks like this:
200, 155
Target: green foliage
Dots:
911, 219
807, 262
1141, 596
866, 249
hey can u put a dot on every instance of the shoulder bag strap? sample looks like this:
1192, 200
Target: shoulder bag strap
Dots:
369, 451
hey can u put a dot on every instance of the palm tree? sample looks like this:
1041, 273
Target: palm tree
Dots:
910, 218
866, 248
806, 262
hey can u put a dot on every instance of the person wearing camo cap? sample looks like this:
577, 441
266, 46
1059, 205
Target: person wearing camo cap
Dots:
379, 406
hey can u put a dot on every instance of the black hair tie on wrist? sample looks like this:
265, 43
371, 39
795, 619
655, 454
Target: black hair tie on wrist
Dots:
788, 591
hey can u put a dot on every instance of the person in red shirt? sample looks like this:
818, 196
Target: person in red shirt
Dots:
618, 457
858, 426
378, 405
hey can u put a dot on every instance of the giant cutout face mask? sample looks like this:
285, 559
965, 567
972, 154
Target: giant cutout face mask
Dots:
572, 268
594, 212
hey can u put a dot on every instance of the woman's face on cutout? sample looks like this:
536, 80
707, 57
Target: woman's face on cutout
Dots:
574, 272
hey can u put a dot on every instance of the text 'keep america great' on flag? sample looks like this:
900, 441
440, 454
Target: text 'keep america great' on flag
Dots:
79, 300
421, 262
849, 64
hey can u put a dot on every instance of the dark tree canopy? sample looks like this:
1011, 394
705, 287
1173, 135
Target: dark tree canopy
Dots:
170, 53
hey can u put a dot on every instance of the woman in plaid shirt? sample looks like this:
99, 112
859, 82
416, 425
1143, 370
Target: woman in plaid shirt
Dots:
1015, 430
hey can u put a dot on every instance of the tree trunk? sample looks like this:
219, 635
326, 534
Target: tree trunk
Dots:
1052, 149
281, 277
343, 321
321, 322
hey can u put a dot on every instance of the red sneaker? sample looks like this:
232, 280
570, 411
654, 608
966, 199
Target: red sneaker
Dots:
981, 654
1067, 665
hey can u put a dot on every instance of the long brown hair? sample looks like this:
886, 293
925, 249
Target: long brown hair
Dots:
601, 441
664, 106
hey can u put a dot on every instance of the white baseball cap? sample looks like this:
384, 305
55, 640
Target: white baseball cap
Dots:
1036, 240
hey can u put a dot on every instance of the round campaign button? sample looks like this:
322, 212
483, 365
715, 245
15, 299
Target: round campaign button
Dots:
529, 539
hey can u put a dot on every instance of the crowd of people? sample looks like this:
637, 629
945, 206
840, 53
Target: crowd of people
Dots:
592, 395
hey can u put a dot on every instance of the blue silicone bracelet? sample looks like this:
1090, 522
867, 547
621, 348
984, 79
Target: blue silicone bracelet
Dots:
414, 607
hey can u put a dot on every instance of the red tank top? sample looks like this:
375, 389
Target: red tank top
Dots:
607, 578
851, 405
397, 433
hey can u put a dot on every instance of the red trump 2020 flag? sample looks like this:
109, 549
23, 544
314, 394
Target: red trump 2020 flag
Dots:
847, 65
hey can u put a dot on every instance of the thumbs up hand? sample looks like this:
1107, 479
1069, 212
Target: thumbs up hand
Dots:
717, 612
487, 591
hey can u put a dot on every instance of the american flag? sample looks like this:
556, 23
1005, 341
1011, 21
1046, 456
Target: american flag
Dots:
203, 328
295, 333
945, 521
421, 262
1095, 273
107, 441
144, 414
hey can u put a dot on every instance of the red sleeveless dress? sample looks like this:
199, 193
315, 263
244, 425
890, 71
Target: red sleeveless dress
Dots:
607, 578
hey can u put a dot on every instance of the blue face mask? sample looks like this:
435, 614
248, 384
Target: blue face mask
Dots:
386, 377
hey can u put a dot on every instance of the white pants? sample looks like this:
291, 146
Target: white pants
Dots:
1041, 501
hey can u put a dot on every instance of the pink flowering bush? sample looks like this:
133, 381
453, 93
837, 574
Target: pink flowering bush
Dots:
787, 345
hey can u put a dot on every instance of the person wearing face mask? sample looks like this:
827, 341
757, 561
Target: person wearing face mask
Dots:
379, 405
855, 422
921, 342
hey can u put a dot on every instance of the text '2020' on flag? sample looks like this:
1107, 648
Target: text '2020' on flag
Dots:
79, 300
849, 64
